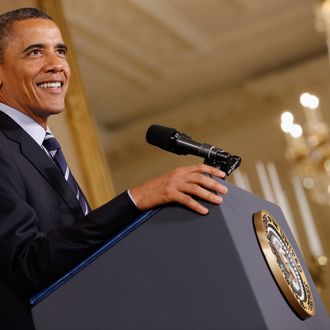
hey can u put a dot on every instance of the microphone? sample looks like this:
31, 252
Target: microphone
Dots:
179, 143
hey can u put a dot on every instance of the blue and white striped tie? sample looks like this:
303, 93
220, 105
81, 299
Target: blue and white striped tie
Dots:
54, 149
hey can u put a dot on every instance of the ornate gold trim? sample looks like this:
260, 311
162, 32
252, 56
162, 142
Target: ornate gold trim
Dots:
91, 156
284, 264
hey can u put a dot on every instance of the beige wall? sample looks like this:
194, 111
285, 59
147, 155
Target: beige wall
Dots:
13, 4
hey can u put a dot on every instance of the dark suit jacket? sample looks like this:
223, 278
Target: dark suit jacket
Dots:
43, 232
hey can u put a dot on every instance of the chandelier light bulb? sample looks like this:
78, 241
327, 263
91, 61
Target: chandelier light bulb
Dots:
310, 101
286, 121
296, 131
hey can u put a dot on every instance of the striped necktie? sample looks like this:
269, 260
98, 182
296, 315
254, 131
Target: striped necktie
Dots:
54, 149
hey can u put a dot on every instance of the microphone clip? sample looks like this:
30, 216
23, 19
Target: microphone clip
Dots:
224, 161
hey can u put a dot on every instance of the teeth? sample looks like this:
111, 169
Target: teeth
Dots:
50, 85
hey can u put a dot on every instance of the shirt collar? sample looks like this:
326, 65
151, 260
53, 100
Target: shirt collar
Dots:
30, 126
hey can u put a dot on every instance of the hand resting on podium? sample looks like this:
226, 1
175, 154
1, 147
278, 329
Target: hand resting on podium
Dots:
181, 185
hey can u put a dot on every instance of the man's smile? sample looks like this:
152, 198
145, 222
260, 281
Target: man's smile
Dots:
51, 84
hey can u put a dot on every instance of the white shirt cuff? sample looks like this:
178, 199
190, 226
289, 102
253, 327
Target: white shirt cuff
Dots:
130, 196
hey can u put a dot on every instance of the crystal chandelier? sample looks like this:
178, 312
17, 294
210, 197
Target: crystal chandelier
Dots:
308, 148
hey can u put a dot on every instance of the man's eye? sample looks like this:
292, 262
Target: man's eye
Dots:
62, 51
35, 52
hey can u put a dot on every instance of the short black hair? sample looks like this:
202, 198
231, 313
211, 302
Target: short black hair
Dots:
9, 18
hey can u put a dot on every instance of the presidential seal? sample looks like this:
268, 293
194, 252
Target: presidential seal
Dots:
284, 264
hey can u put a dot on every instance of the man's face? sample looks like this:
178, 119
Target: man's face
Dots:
35, 73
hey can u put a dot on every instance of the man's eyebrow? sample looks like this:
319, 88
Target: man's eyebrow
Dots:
41, 46
62, 45
34, 46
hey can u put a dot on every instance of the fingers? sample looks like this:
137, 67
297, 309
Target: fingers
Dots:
203, 168
204, 194
182, 185
192, 204
198, 190
205, 181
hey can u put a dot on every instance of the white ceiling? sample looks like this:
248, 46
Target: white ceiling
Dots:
141, 57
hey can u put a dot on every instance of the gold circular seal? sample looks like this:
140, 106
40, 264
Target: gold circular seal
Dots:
284, 264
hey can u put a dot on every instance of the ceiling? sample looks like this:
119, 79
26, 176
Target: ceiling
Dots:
143, 57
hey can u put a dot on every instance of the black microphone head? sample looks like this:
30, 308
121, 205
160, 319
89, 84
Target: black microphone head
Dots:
162, 137
179, 143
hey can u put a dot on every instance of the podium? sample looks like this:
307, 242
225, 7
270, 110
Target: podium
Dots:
174, 269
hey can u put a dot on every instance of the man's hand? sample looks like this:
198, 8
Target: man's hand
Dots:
179, 186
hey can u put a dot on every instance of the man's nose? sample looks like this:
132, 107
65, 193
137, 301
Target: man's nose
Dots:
54, 63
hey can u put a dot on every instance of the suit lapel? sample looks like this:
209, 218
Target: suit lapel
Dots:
46, 167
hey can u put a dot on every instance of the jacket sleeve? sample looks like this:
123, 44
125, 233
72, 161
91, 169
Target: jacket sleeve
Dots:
31, 258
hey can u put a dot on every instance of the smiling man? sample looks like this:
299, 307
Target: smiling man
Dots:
46, 226
34, 70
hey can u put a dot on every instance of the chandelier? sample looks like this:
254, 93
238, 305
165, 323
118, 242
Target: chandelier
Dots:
308, 147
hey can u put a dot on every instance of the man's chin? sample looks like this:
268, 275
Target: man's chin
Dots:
53, 109
42, 113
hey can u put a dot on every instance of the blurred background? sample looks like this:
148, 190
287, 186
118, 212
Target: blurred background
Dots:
224, 72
